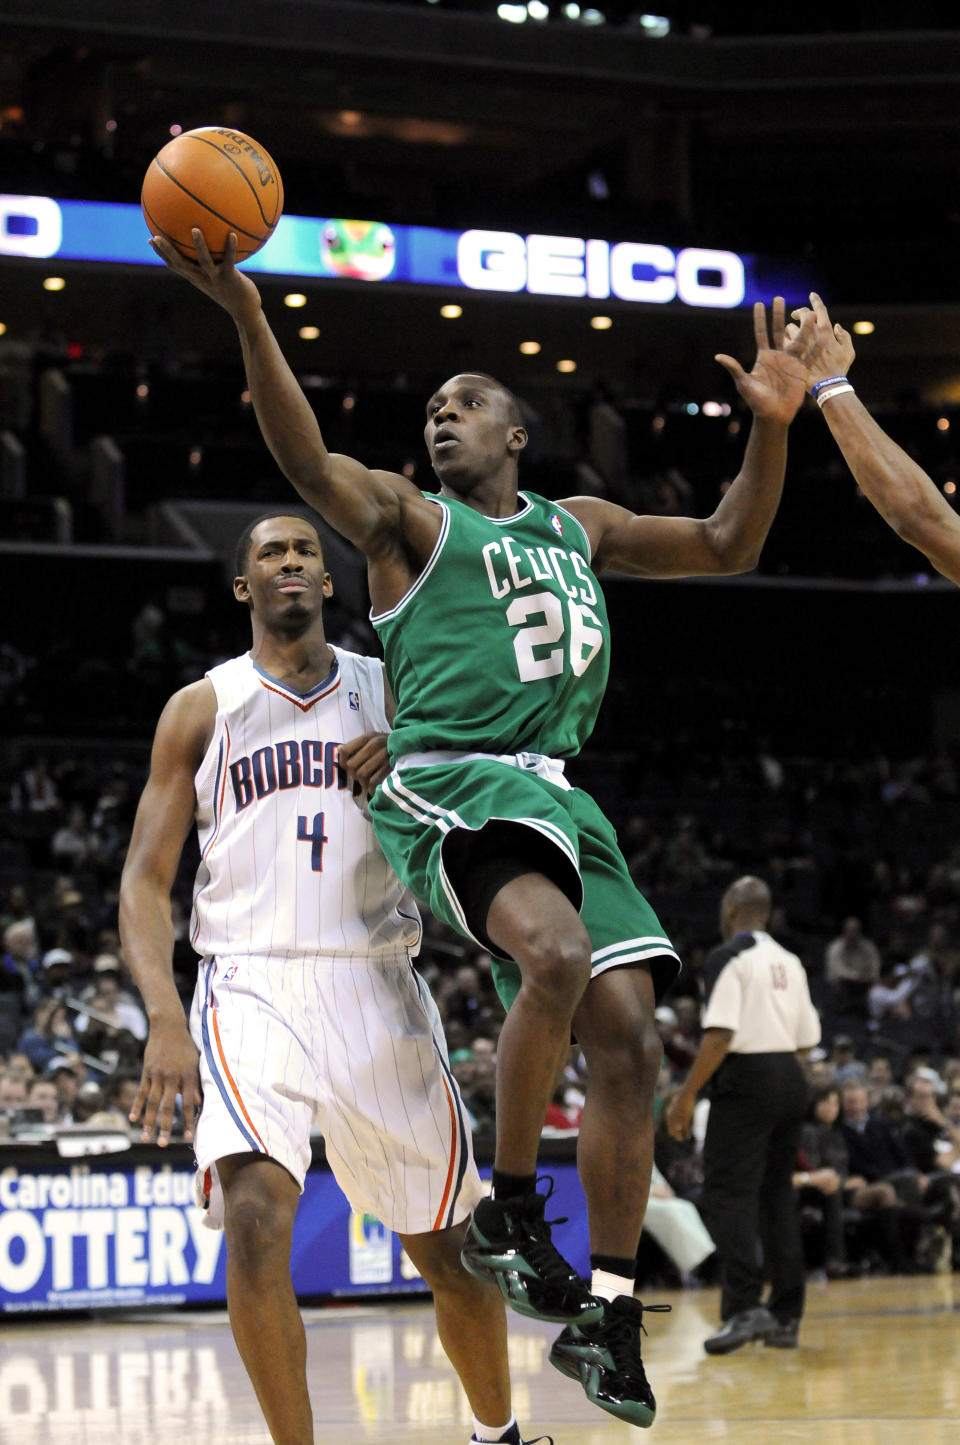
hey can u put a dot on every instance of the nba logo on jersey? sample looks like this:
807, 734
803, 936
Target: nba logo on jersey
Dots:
556, 524
354, 699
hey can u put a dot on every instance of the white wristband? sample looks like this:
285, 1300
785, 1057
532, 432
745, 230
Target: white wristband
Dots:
825, 395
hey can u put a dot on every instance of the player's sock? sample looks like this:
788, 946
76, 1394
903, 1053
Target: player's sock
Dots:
511, 1186
611, 1275
492, 1434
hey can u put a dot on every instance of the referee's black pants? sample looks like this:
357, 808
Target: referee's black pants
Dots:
750, 1153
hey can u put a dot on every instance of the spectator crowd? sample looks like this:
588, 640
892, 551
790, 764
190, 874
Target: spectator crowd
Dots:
878, 1175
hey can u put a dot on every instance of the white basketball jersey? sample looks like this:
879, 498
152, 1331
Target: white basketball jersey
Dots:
289, 862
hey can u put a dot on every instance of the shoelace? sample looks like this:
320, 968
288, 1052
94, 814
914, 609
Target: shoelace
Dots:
651, 1310
622, 1336
542, 1251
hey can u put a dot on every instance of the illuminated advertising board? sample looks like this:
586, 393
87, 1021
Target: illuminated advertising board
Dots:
112, 1233
76, 1236
332, 249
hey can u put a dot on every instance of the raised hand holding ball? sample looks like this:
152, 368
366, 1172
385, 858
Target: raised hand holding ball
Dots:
216, 180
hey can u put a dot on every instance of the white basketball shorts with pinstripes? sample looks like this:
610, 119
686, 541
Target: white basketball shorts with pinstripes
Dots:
352, 1047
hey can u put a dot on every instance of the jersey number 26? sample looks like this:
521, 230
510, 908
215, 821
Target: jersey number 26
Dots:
583, 641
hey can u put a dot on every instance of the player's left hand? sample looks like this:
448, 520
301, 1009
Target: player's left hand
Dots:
365, 759
824, 348
776, 386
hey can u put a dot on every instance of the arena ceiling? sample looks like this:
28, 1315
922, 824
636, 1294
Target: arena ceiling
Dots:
842, 150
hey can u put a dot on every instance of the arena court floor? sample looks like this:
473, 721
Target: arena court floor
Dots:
878, 1365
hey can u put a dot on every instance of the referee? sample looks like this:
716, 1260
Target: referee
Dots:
758, 1016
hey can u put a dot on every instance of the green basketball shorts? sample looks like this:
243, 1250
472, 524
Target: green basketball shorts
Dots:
422, 804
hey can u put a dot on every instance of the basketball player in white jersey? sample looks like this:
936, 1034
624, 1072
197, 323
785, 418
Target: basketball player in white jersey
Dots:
307, 1004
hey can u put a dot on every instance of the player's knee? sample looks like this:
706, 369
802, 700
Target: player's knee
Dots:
441, 1267
258, 1223
555, 966
437, 1257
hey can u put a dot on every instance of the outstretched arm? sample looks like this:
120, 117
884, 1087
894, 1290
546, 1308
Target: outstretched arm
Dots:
362, 505
164, 817
732, 538
900, 490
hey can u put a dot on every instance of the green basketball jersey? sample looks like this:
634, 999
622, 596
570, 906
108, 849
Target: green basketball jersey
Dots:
502, 645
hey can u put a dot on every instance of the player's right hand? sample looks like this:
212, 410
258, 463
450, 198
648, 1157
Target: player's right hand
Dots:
169, 1068
221, 281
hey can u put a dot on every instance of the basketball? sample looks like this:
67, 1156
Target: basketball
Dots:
218, 180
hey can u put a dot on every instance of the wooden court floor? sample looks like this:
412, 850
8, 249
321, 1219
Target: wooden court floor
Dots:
879, 1364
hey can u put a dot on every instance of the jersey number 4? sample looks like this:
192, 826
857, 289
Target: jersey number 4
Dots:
317, 837
584, 641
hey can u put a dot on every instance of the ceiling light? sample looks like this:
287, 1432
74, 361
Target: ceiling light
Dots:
863, 328
515, 14
601, 323
451, 311
295, 299
54, 283
308, 333
3, 328
537, 10
529, 348
566, 365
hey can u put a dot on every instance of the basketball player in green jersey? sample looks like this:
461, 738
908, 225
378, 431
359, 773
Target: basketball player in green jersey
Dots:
497, 648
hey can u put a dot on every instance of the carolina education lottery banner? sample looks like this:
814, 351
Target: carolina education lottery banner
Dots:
92, 1235
330, 248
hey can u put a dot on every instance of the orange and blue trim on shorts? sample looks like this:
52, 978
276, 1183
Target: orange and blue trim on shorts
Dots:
220, 1069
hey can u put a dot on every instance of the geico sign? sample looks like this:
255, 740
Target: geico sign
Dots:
569, 266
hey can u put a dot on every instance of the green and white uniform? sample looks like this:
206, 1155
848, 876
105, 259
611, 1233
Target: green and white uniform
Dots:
498, 658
